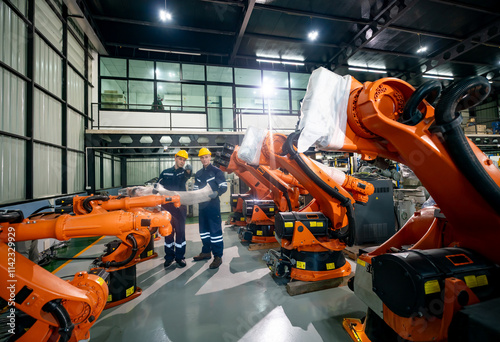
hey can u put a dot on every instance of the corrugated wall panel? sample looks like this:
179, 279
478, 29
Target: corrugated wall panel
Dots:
76, 130
118, 173
13, 39
20, 4
76, 174
108, 176
12, 103
47, 174
47, 118
76, 90
12, 172
48, 23
48, 67
140, 171
75, 54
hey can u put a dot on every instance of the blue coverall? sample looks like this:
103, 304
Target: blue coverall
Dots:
210, 220
175, 180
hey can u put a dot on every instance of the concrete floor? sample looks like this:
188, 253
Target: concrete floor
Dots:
238, 302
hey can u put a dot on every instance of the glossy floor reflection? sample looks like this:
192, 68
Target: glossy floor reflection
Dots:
238, 302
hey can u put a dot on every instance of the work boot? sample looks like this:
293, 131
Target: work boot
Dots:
167, 263
216, 263
181, 263
202, 256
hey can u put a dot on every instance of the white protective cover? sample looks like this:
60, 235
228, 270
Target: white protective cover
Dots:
251, 145
186, 197
336, 174
324, 111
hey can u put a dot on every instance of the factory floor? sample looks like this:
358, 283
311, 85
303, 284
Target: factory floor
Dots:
240, 301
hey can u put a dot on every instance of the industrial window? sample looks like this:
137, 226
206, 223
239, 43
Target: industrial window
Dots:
219, 74
220, 108
47, 117
76, 167
276, 101
48, 23
141, 95
249, 100
277, 79
247, 77
13, 172
298, 80
168, 71
76, 130
47, 175
170, 95
192, 72
141, 69
193, 98
113, 67
48, 67
76, 54
113, 94
297, 96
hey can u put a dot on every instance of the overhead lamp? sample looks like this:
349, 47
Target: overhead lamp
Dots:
377, 71
169, 51
421, 48
437, 77
313, 35
279, 61
164, 14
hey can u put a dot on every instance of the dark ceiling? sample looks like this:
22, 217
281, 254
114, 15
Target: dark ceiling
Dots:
462, 37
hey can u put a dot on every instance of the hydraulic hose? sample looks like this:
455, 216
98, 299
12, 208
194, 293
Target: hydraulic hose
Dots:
126, 261
86, 202
428, 91
461, 95
62, 317
350, 235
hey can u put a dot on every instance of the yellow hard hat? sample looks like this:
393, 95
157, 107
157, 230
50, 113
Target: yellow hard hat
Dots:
182, 153
204, 151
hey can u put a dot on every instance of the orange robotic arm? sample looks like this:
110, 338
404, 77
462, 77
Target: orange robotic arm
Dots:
63, 309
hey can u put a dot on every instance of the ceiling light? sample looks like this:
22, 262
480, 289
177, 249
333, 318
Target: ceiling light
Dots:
313, 35
164, 15
168, 51
422, 49
437, 77
279, 61
377, 71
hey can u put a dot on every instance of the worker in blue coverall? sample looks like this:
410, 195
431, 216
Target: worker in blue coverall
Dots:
174, 179
209, 213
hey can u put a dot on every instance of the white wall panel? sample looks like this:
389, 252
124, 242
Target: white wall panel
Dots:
76, 130
48, 23
279, 123
76, 54
48, 67
47, 118
21, 5
140, 171
76, 172
12, 172
47, 170
76, 90
98, 171
132, 119
117, 173
108, 176
12, 103
13, 39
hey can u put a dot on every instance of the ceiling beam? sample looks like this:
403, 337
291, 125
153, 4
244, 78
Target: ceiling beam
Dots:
246, 18
387, 15
289, 40
161, 25
483, 35
467, 6
132, 46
